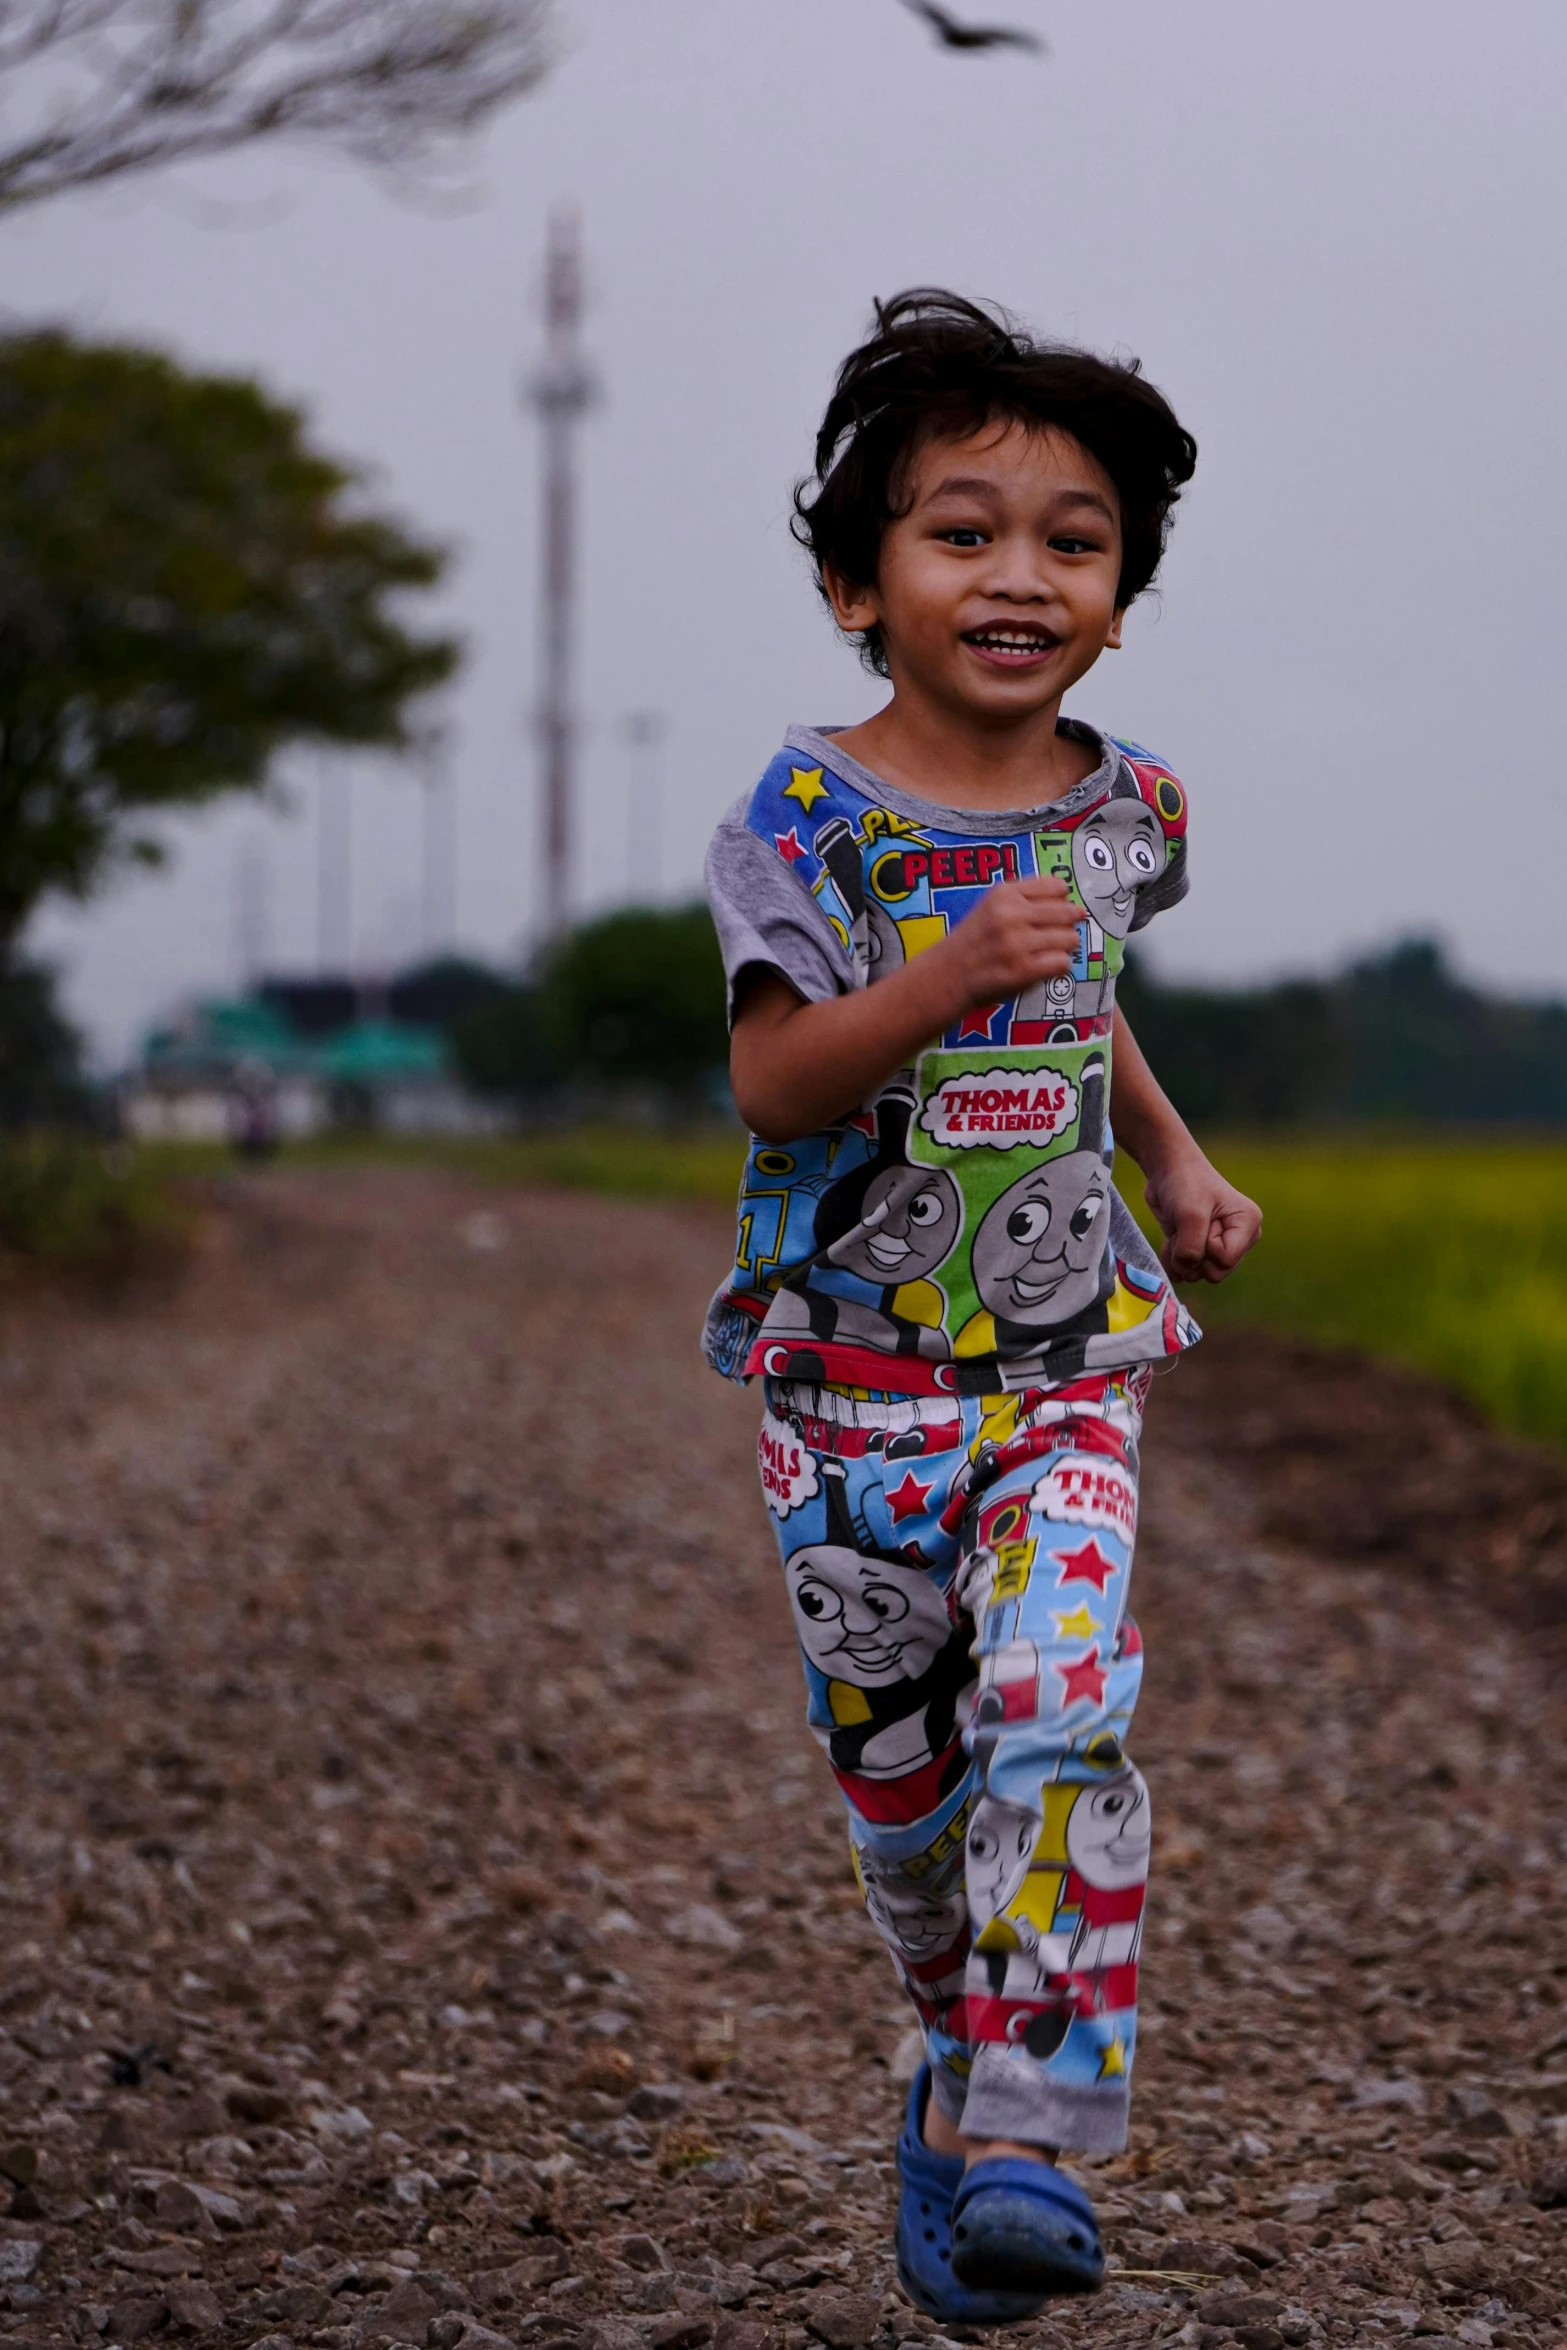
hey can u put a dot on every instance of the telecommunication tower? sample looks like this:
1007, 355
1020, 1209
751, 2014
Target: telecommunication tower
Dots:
560, 393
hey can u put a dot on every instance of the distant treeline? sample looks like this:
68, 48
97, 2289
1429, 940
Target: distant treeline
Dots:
633, 1003
1395, 1038
637, 998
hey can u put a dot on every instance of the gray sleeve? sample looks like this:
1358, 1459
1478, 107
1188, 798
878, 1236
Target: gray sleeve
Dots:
1168, 890
764, 915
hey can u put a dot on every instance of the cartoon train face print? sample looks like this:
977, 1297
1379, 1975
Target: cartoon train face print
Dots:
881, 1231
909, 1223
916, 1920
874, 1625
883, 942
874, 938
1039, 1254
1116, 852
868, 1622
1109, 1833
1001, 1840
1074, 1908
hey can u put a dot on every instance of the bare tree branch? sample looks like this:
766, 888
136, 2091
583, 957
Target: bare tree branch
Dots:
119, 86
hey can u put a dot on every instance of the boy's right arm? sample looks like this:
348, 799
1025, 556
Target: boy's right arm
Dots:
796, 1066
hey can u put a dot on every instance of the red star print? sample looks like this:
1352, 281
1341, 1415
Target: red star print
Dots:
788, 846
1084, 1679
1088, 1565
908, 1499
976, 1021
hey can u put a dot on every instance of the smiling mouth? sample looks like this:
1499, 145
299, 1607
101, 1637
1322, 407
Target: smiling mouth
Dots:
872, 1656
1029, 1293
1011, 644
887, 1252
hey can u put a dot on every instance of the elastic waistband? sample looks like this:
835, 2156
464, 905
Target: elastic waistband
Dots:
861, 1407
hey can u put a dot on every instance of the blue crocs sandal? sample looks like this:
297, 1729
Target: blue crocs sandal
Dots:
930, 2181
1024, 2227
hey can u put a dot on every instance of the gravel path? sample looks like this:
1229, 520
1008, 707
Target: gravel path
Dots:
426, 1919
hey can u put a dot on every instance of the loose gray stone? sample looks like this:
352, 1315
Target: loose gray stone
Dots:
1476, 2113
683, 2331
844, 2321
407, 2310
1239, 2309
643, 2252
1373, 2091
656, 2101
704, 1928
135, 2318
342, 2125
193, 2309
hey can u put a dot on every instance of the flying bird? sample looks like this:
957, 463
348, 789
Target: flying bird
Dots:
953, 34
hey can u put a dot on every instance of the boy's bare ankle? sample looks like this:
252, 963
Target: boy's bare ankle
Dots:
944, 2137
999, 2149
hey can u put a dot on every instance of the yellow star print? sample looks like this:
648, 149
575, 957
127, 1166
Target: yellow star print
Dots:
1112, 2060
807, 787
1079, 1625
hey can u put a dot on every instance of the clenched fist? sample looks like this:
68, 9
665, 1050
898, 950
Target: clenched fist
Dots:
1019, 933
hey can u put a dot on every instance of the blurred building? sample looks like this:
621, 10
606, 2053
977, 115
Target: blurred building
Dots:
293, 1059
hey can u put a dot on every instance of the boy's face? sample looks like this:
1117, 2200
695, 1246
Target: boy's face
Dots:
997, 589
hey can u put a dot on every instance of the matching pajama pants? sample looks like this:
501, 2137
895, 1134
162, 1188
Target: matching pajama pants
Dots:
958, 1570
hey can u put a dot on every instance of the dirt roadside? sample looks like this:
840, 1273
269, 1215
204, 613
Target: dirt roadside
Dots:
426, 1919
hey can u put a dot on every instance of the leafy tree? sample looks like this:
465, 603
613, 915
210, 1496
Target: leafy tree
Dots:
635, 998
511, 1047
126, 85
639, 994
40, 1053
187, 588
444, 991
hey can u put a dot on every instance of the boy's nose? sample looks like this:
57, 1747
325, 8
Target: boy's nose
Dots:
1015, 581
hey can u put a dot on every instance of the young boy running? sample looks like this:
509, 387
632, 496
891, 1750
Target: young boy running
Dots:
954, 1315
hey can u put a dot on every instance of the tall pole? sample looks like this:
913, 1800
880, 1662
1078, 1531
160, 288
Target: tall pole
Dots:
438, 862
334, 871
559, 392
250, 915
645, 731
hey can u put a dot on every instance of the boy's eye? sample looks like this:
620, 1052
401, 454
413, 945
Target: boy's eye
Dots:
964, 535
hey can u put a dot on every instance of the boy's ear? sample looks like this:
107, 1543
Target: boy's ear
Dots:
854, 608
1113, 640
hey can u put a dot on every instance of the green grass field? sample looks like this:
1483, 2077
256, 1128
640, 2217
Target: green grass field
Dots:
1450, 1255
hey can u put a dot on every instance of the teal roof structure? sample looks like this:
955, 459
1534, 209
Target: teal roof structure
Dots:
221, 1037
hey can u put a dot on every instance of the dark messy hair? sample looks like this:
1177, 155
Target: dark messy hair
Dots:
940, 368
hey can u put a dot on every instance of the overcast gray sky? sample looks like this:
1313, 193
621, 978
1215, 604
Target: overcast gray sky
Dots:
1334, 235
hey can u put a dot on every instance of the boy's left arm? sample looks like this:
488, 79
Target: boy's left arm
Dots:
1208, 1225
